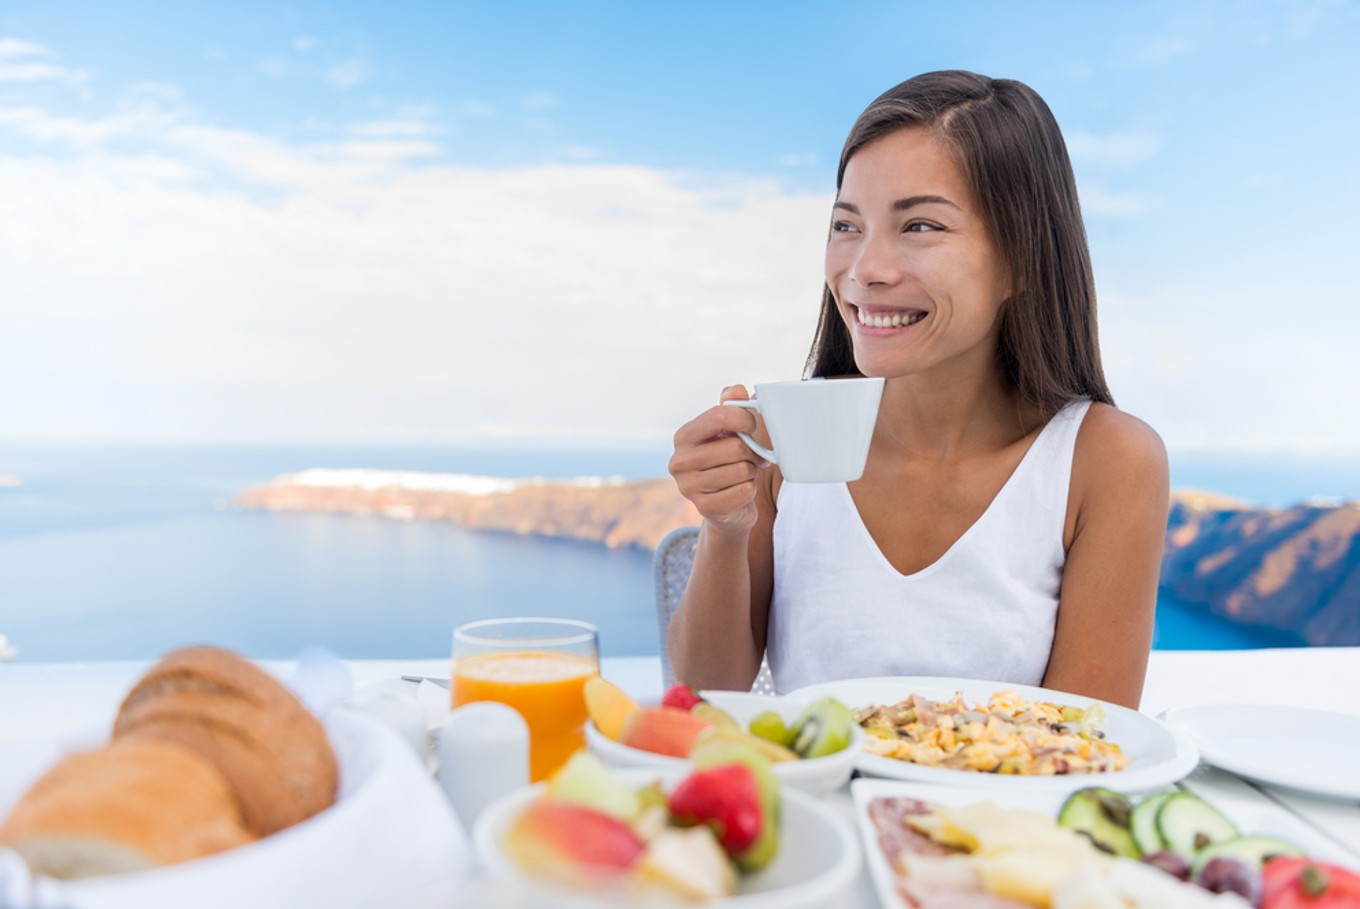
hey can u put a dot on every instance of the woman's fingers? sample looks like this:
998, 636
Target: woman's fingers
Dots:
708, 455
724, 477
714, 423
713, 468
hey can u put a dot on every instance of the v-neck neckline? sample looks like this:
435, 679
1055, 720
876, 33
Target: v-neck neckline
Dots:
972, 528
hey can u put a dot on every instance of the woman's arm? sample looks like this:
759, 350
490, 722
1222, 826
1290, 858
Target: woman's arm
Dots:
717, 635
1116, 532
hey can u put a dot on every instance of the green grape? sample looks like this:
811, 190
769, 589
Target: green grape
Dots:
770, 725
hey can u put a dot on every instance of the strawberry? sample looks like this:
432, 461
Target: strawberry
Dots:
727, 799
681, 696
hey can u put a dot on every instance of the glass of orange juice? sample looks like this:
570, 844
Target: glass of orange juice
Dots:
537, 666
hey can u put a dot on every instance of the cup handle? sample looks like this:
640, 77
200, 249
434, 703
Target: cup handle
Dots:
751, 443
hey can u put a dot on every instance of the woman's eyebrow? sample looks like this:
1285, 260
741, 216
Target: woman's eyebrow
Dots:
900, 204
913, 201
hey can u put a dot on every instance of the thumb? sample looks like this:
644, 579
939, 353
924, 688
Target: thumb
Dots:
734, 393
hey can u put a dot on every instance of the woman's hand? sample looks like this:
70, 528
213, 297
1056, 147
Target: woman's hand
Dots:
717, 636
715, 470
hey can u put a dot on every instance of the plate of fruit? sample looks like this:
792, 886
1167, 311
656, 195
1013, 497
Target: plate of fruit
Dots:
721, 830
812, 747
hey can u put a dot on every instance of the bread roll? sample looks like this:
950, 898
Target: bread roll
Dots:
263, 740
134, 805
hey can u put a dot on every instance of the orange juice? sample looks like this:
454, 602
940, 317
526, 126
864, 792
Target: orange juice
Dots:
548, 690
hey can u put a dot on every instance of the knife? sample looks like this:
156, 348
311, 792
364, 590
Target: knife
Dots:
442, 683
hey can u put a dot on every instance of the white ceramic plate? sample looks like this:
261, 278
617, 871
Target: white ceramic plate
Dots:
1314, 751
817, 862
814, 775
1255, 817
1159, 755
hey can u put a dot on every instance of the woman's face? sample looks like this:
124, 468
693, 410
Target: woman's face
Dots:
910, 262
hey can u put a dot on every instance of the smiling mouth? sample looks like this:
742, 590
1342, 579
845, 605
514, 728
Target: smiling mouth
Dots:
888, 319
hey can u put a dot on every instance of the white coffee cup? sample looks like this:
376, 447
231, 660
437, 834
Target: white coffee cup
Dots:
820, 428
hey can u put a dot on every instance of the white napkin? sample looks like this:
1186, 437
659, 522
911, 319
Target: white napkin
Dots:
390, 837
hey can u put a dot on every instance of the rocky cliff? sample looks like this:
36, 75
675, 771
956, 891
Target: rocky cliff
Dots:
614, 513
1294, 569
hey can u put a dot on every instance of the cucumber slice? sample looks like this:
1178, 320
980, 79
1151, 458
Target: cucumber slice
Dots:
1103, 816
1188, 824
1252, 851
1143, 823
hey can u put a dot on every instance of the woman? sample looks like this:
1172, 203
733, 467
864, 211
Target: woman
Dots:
1010, 519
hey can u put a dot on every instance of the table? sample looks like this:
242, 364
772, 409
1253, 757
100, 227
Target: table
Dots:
53, 698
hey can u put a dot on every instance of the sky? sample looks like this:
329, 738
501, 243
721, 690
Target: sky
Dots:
574, 223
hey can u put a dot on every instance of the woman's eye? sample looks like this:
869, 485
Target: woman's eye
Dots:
920, 226
842, 227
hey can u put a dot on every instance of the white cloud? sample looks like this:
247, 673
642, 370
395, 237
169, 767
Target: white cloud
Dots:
166, 92
1101, 202
11, 48
1164, 48
1302, 18
538, 101
38, 125
1207, 376
473, 108
797, 160
1114, 150
349, 73
394, 128
276, 67
334, 291
390, 150
304, 43
170, 278
37, 72
17, 65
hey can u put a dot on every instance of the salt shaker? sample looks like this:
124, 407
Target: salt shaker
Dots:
483, 754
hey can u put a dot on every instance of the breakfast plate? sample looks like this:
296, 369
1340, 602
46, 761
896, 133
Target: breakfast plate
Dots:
1314, 751
1252, 817
816, 865
1158, 754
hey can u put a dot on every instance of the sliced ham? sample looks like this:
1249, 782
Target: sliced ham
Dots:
929, 875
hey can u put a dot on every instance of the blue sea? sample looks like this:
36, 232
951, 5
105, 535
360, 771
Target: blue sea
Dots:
124, 553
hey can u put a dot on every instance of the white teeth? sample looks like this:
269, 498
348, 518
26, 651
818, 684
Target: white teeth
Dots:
896, 320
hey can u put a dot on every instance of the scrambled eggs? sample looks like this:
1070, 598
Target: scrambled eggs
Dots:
1009, 735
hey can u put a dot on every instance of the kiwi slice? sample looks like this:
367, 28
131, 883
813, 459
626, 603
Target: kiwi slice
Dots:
823, 728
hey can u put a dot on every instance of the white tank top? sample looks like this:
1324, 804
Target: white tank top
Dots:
986, 609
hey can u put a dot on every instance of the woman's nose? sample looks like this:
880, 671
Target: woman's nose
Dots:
875, 263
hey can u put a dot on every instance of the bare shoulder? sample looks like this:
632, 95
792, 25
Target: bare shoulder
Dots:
1110, 438
1118, 458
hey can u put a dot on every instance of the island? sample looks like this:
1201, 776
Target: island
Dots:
1293, 569
603, 510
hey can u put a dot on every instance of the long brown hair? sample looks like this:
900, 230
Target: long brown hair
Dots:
1013, 156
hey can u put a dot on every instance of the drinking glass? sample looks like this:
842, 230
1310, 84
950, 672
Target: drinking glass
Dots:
537, 666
